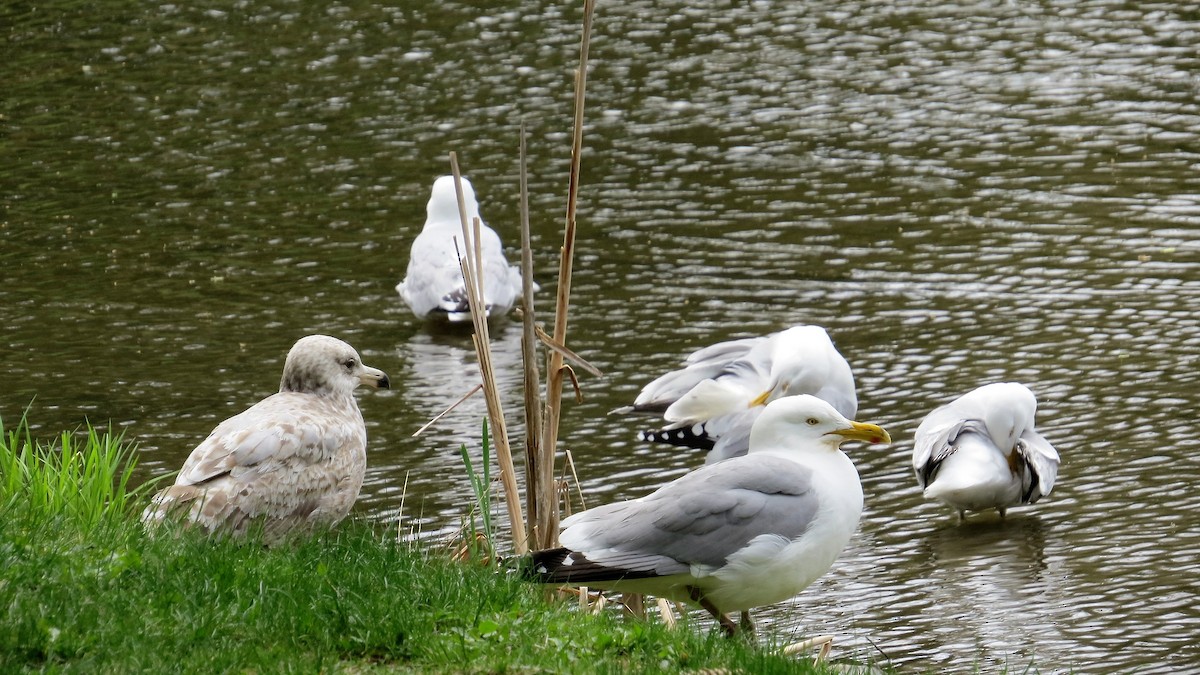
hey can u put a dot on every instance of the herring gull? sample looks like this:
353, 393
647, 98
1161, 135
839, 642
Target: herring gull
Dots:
741, 533
294, 461
433, 286
981, 452
712, 402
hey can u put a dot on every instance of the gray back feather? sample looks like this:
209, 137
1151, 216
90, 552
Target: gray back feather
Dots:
701, 518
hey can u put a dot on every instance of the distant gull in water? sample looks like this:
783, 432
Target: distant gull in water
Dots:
980, 451
294, 461
712, 402
433, 286
741, 533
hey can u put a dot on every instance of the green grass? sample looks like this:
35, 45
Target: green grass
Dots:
82, 476
479, 541
87, 590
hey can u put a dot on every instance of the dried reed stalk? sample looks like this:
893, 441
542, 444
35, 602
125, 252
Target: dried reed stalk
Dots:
578, 487
471, 262
541, 433
447, 411
665, 613
534, 474
824, 643
547, 518
567, 353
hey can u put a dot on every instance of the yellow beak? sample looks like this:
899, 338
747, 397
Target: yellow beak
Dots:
859, 431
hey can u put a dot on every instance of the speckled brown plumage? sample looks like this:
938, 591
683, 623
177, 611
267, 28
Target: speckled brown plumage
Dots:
292, 462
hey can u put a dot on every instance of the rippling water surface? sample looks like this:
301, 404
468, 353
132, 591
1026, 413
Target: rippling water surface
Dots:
961, 192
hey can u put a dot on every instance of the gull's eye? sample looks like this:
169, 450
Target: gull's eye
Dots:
812, 421
349, 363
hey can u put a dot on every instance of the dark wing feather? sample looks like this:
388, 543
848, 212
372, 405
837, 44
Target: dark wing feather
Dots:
563, 566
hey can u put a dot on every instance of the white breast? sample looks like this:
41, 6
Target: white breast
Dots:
772, 569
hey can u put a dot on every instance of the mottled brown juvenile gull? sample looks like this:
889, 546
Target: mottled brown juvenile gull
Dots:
712, 402
292, 462
433, 286
744, 532
981, 452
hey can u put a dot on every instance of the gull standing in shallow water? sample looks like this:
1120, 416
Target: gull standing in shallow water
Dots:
744, 532
711, 403
433, 286
292, 462
980, 451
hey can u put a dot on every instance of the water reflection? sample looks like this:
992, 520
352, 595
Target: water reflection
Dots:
440, 368
959, 192
994, 573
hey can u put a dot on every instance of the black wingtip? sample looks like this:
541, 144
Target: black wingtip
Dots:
694, 437
1032, 493
540, 565
564, 566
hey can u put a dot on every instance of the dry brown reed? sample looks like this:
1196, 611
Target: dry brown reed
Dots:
471, 261
535, 490
547, 519
541, 418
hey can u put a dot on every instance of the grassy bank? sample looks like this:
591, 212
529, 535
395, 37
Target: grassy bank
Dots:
86, 590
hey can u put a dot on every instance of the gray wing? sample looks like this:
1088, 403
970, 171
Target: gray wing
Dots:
732, 433
1042, 460
703, 364
724, 352
699, 519
935, 441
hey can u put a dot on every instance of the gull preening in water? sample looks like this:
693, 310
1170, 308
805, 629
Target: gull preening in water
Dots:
294, 461
433, 286
981, 452
711, 403
741, 533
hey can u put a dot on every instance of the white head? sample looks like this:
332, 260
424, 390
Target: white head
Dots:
443, 202
804, 361
1007, 410
806, 421
326, 366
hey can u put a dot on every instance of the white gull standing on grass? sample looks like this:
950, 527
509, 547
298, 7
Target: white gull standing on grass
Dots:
294, 461
981, 452
712, 402
741, 533
433, 286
